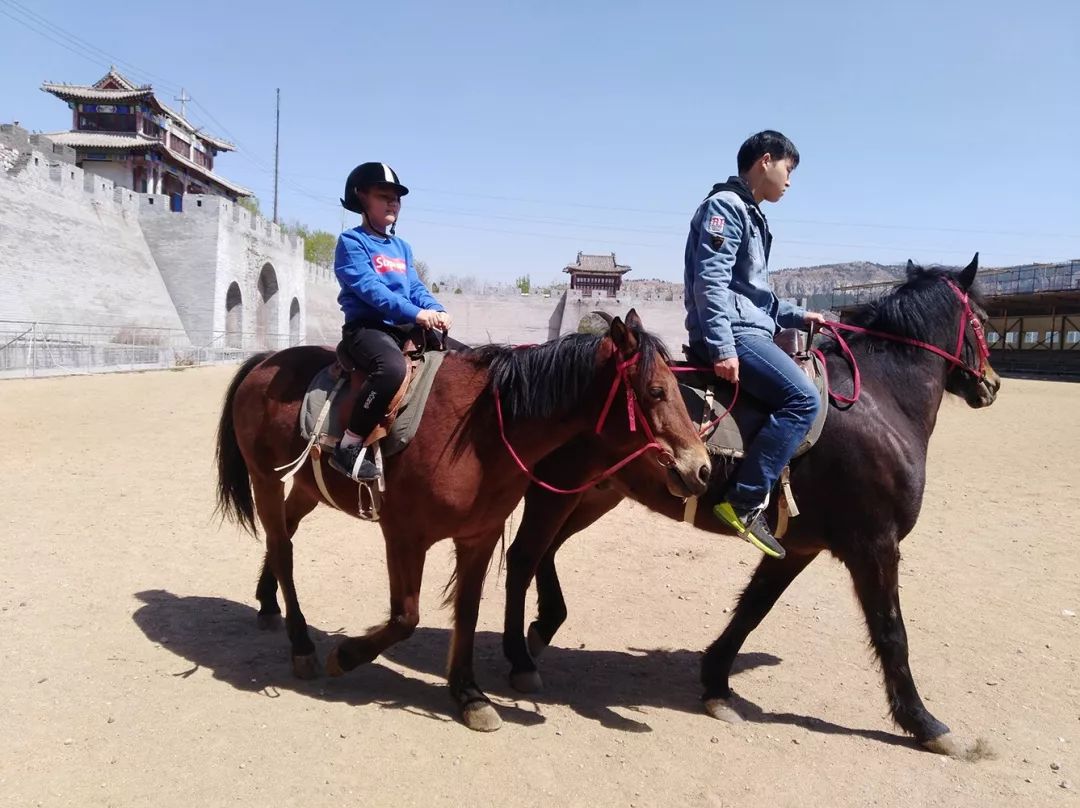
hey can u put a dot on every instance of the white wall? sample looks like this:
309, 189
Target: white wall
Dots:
65, 259
119, 173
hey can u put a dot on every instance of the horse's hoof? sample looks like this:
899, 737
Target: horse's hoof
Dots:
333, 666
269, 622
535, 643
526, 681
721, 709
481, 716
306, 666
949, 744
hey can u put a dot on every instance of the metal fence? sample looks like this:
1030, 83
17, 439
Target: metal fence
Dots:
1020, 280
29, 349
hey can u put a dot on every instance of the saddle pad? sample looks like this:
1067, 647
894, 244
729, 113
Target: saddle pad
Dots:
731, 435
409, 413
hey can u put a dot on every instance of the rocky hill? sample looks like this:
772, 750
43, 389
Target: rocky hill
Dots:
816, 283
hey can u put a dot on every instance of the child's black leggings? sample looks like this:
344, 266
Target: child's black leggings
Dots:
376, 349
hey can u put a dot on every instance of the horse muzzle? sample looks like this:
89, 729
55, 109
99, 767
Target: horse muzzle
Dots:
689, 472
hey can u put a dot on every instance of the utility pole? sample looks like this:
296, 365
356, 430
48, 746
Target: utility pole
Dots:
277, 143
183, 98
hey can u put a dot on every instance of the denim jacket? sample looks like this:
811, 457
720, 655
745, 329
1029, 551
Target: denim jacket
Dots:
727, 289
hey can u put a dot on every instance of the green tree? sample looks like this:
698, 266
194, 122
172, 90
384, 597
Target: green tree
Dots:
523, 284
319, 248
250, 204
319, 245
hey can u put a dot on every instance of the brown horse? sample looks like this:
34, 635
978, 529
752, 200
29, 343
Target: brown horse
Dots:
859, 490
456, 478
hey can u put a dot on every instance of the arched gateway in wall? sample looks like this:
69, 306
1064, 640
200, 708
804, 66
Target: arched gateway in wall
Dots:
267, 329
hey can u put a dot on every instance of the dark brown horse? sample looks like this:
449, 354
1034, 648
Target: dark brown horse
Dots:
456, 478
859, 490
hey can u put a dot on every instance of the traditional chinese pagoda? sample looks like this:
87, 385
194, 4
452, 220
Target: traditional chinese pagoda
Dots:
597, 275
123, 132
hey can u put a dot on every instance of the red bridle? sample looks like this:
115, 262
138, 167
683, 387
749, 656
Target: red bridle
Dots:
956, 358
634, 416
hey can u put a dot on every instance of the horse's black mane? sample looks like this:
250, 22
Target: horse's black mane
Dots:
923, 307
546, 380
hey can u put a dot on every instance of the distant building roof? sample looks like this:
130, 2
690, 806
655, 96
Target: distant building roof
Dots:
114, 88
597, 264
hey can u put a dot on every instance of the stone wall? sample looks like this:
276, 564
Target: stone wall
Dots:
72, 256
76, 248
211, 245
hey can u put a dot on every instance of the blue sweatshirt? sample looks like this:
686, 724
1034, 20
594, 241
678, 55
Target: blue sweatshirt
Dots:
378, 281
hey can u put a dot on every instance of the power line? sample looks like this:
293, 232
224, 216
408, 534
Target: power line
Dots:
32, 19
686, 214
96, 60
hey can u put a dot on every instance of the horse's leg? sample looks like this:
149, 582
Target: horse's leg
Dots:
299, 504
544, 515
874, 569
550, 604
405, 565
473, 557
768, 582
270, 504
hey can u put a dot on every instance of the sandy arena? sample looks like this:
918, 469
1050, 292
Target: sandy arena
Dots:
136, 675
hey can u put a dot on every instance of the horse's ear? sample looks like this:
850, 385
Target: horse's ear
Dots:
967, 274
633, 320
911, 269
623, 337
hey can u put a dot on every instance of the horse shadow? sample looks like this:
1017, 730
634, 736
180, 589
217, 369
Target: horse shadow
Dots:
594, 683
220, 636
601, 685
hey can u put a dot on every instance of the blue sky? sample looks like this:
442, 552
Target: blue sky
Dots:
530, 131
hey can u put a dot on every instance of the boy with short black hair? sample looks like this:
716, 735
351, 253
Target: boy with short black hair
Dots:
732, 316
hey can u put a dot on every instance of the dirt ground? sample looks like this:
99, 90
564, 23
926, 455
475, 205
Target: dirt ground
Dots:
136, 676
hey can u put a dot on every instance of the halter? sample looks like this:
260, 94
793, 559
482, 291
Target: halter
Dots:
634, 416
956, 358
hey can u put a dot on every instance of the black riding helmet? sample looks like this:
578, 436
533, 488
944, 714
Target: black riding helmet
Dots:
365, 176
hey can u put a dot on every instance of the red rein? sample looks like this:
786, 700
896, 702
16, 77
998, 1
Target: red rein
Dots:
955, 358
635, 415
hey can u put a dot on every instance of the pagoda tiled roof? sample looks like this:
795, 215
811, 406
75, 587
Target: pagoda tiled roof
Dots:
103, 140
75, 92
597, 264
136, 142
126, 92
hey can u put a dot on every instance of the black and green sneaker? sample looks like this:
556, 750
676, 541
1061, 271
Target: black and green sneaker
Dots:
750, 525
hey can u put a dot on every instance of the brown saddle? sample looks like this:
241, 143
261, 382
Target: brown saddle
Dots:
416, 343
708, 397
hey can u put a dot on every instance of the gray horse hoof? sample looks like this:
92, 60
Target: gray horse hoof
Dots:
306, 666
480, 716
526, 681
722, 710
535, 642
269, 622
949, 744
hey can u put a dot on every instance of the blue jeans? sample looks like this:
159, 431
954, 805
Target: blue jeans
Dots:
772, 377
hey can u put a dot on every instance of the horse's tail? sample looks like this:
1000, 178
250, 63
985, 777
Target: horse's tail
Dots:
234, 500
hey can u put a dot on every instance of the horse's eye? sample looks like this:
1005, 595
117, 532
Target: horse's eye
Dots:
657, 393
